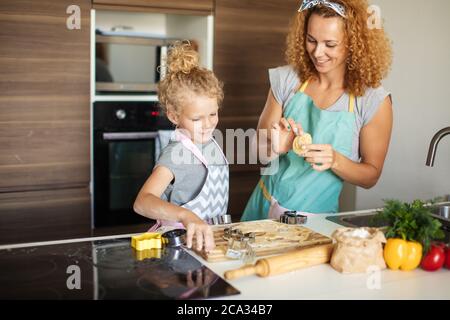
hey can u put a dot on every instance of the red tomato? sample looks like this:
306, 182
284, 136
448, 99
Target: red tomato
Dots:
434, 259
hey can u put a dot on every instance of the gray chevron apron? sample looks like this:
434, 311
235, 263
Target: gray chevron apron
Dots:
296, 185
212, 200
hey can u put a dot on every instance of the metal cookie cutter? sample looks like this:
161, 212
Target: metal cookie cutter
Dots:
232, 233
223, 219
249, 254
293, 217
174, 238
239, 243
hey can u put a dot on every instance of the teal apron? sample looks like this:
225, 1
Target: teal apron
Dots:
296, 185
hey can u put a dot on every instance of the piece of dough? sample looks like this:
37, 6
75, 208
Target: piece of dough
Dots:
300, 142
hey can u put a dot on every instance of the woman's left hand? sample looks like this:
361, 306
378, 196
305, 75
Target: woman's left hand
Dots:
321, 156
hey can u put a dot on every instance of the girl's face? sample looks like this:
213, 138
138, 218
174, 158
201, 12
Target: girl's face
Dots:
199, 117
325, 43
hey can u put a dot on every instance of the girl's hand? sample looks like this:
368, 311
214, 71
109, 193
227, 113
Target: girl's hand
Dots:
283, 134
201, 230
321, 156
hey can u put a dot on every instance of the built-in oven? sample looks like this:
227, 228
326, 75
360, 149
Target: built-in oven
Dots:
125, 146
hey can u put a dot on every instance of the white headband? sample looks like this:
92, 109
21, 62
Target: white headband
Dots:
308, 4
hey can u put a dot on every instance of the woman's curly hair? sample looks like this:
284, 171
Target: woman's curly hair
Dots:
185, 77
370, 53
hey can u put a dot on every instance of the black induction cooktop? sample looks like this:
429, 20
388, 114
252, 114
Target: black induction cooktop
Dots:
106, 269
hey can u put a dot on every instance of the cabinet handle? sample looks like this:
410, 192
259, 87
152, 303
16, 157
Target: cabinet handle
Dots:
112, 136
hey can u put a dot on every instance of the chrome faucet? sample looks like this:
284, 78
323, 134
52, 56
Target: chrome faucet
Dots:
433, 145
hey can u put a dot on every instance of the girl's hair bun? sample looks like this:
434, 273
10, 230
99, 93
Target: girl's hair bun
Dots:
182, 58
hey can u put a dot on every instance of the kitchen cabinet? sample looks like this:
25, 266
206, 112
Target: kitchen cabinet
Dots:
44, 107
249, 39
44, 111
168, 6
44, 215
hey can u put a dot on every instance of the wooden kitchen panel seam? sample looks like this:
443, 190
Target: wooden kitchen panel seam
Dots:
200, 7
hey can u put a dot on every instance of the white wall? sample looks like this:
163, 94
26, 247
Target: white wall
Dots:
192, 27
420, 86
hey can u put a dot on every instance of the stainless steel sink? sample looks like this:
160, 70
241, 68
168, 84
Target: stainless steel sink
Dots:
443, 212
357, 220
366, 219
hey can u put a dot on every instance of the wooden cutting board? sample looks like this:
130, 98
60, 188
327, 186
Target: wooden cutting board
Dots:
272, 238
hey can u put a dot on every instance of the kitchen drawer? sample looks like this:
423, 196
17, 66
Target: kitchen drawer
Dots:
44, 155
44, 215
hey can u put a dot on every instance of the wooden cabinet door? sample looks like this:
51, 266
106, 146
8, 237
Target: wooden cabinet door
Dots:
249, 39
170, 6
44, 215
45, 97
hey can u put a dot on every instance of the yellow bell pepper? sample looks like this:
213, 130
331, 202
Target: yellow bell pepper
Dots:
399, 253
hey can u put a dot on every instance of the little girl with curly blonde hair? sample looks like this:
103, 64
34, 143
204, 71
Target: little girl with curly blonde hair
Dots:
190, 181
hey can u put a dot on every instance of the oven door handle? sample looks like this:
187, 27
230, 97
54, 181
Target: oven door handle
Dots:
113, 136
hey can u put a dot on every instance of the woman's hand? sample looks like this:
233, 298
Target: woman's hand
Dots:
200, 229
283, 135
321, 156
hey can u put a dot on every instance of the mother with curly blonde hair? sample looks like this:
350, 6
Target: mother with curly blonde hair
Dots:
331, 89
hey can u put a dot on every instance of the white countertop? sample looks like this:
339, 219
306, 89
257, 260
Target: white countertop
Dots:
318, 282
323, 282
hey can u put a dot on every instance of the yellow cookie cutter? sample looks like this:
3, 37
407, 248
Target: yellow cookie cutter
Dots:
147, 254
148, 240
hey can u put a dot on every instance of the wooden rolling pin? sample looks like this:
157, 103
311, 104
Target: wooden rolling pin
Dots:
285, 262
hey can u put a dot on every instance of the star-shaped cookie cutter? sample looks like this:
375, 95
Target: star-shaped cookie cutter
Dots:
148, 240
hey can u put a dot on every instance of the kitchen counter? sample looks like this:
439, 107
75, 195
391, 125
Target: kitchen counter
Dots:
109, 269
323, 282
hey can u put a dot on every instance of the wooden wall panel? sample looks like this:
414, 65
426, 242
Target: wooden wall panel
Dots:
37, 154
44, 215
44, 106
249, 39
166, 6
242, 184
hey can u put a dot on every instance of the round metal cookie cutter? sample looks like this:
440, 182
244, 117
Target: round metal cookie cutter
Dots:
223, 219
293, 217
174, 238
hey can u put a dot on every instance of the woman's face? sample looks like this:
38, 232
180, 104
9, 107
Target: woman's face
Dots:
325, 43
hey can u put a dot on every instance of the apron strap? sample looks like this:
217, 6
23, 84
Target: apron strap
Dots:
264, 190
195, 150
190, 146
221, 151
303, 87
351, 102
